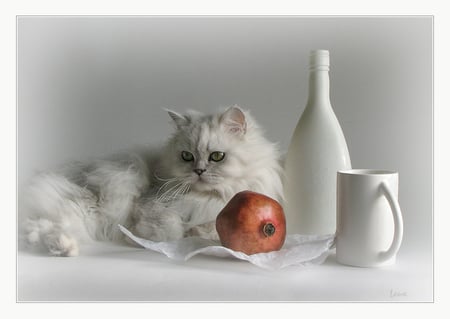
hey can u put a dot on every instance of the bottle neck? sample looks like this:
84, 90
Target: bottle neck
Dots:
319, 87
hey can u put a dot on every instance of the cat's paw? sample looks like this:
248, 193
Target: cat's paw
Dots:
159, 228
61, 245
46, 234
206, 230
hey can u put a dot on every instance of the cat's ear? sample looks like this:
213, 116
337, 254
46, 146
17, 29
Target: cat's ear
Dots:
180, 120
233, 120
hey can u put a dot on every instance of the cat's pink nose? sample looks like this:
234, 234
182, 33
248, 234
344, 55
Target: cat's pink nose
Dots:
199, 171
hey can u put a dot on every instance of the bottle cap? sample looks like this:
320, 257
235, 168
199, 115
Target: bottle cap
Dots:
319, 60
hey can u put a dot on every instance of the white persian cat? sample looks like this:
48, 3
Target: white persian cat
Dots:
162, 194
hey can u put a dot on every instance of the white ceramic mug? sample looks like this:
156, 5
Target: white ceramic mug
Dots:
369, 220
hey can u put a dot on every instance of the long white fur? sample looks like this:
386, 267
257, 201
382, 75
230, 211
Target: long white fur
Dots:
154, 192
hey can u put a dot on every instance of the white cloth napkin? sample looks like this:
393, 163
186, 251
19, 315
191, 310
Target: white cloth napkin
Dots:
297, 250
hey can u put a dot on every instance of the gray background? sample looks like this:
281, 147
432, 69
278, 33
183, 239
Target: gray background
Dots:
91, 86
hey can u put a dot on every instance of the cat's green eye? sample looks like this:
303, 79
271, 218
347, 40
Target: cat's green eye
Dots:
216, 156
187, 156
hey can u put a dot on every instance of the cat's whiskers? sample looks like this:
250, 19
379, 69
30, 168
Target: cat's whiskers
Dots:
178, 192
163, 188
180, 188
168, 194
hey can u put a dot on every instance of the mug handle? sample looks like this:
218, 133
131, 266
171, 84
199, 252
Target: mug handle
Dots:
398, 223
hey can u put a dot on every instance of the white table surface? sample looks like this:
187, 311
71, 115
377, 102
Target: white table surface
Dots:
108, 272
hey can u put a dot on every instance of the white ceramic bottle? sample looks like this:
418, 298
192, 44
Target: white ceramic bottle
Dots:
317, 151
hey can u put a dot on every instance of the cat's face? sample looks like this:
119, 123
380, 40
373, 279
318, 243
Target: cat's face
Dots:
205, 152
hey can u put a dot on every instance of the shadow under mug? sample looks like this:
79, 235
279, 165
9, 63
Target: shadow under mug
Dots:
369, 220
